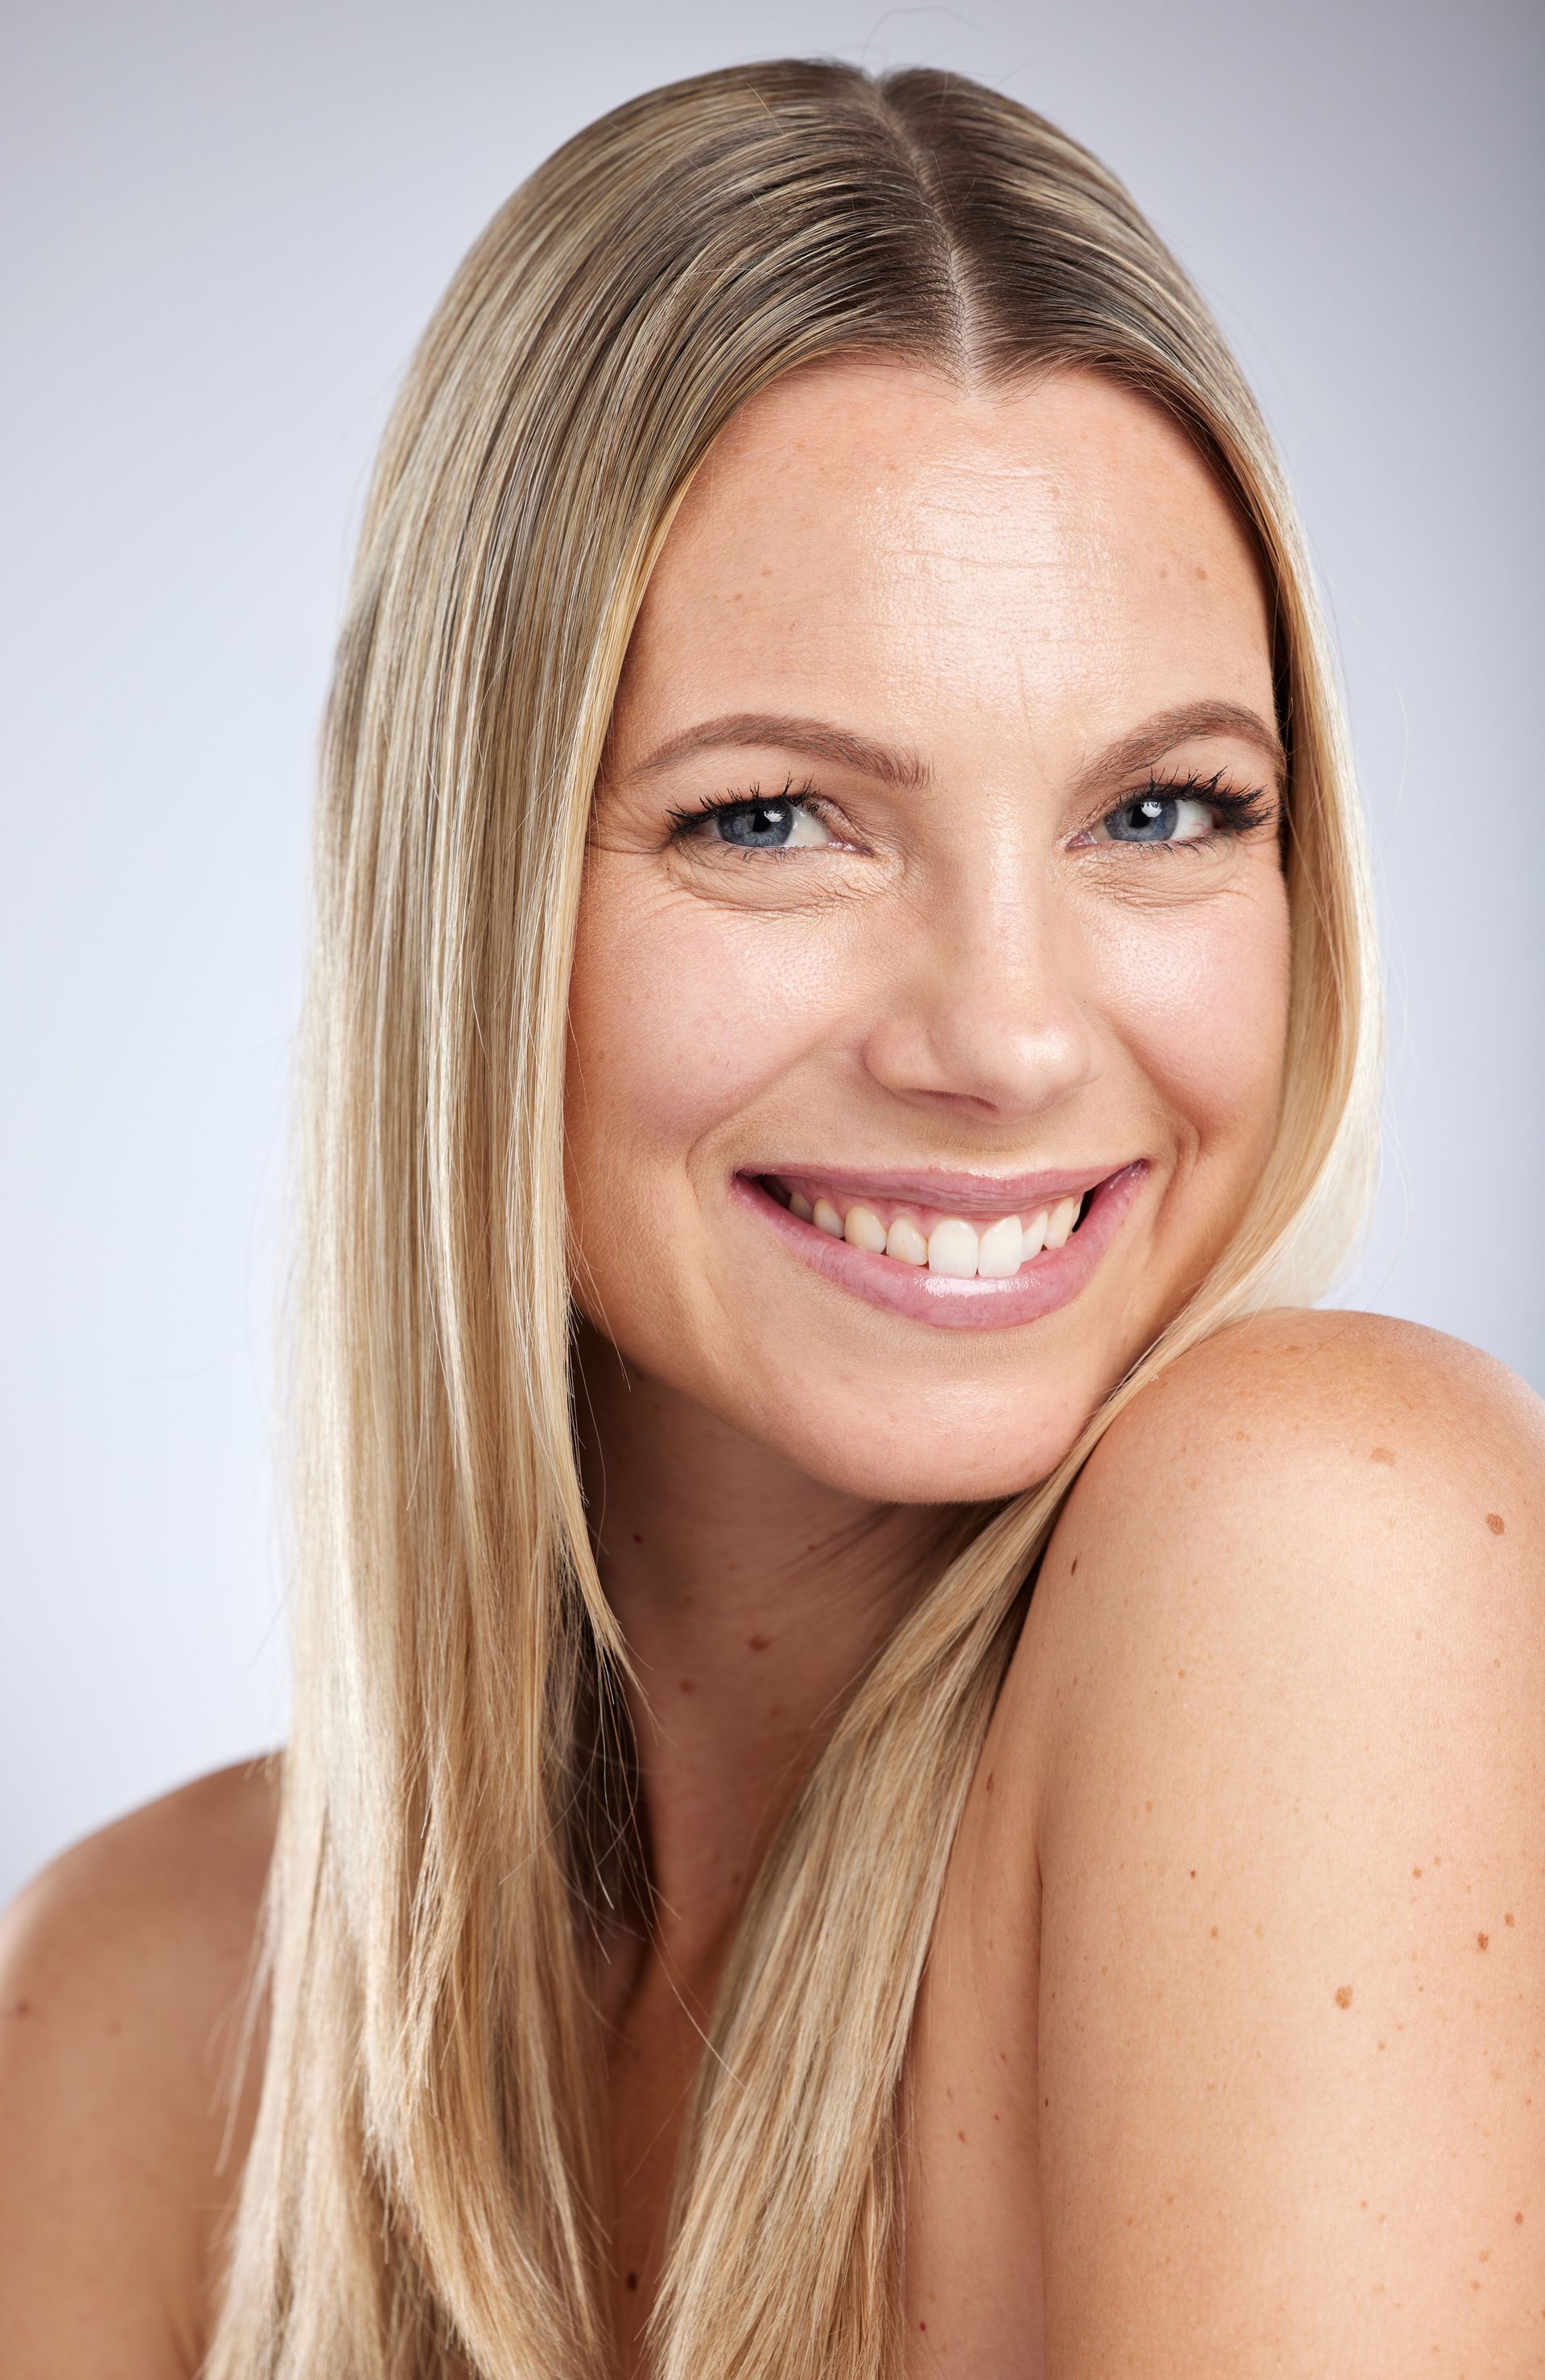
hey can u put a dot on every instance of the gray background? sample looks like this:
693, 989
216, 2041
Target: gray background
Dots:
227, 226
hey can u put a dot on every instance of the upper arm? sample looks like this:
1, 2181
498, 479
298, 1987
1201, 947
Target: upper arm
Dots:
1293, 1857
122, 1973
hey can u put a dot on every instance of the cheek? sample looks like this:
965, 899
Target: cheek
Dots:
680, 1017
1199, 997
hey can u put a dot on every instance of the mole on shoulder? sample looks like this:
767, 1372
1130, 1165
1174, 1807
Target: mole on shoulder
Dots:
1343, 1996
1497, 1525
1381, 1454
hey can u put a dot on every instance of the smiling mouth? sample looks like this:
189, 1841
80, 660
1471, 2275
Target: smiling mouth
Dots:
960, 1252
958, 1246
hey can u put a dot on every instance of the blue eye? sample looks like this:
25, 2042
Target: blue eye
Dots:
1153, 818
1197, 814
788, 821
756, 826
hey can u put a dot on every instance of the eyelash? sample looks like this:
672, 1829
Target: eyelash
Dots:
685, 822
1236, 811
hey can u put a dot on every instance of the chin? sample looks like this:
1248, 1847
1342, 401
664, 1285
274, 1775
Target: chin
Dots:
950, 1460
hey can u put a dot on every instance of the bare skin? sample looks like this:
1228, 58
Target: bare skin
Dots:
1157, 2121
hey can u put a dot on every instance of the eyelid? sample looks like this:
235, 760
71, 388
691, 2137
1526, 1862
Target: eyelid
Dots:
738, 798
1221, 784
685, 822
1238, 804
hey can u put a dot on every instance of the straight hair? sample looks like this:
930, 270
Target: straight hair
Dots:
427, 2190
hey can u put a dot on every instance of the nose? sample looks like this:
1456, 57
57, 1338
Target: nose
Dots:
981, 1016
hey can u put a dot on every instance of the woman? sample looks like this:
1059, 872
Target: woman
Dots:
841, 1047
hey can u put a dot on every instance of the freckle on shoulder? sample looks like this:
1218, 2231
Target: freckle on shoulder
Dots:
1335, 1373
1282, 1417
176, 1885
123, 1976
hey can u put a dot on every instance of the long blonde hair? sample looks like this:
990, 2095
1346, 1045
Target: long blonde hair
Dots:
428, 2187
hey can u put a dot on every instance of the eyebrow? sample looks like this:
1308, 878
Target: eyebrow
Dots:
1186, 722
818, 738
896, 765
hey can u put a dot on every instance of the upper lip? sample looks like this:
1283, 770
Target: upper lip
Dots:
961, 1194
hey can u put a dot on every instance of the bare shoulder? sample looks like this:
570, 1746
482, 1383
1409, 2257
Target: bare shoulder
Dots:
124, 1974
1294, 1384
1291, 1648
1320, 1443
1329, 1478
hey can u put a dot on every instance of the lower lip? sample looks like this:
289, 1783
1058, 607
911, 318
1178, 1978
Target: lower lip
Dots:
1049, 1280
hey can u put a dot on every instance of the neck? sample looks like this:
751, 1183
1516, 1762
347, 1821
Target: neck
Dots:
752, 1600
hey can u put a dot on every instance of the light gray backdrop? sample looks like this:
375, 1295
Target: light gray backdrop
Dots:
226, 226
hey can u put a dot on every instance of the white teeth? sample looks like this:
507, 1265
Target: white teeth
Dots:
863, 1228
952, 1249
1064, 1215
1002, 1250
906, 1242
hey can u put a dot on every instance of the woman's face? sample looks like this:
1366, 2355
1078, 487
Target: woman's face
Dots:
933, 899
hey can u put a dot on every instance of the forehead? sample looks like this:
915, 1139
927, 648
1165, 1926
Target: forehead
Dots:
869, 543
